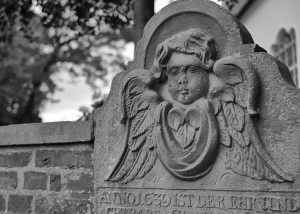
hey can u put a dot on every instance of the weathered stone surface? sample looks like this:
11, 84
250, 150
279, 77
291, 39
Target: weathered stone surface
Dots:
247, 106
2, 203
64, 158
8, 180
35, 180
19, 204
15, 159
63, 206
46, 133
55, 182
80, 182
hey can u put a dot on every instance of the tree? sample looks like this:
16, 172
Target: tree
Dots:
41, 37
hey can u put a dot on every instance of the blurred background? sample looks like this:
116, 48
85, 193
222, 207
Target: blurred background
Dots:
58, 57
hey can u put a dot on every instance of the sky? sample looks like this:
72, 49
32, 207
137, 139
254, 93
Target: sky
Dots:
76, 94
69, 100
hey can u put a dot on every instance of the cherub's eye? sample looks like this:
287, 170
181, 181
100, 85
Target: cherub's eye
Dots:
173, 71
194, 69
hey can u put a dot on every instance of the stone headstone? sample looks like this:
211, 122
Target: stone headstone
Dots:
202, 121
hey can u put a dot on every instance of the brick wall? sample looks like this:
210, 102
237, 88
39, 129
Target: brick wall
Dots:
47, 176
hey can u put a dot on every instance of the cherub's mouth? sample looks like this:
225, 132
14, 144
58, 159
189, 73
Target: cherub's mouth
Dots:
184, 91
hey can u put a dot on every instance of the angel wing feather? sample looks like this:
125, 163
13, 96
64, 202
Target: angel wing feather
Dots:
246, 154
140, 105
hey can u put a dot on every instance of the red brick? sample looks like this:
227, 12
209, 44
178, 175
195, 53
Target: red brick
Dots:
8, 180
2, 203
19, 204
15, 159
80, 182
55, 182
35, 180
63, 206
64, 158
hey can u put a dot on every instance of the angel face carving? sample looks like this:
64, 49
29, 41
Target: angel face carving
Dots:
187, 78
219, 97
185, 59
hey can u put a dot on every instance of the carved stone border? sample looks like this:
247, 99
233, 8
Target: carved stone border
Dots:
235, 34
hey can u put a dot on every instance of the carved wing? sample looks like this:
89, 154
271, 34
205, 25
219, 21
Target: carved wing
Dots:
236, 95
141, 110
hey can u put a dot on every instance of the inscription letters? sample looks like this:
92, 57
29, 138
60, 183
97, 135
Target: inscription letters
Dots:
151, 201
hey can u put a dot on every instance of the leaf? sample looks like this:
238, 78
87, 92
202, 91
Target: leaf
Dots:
238, 137
185, 135
223, 128
235, 115
246, 137
193, 118
179, 135
241, 94
175, 118
227, 94
190, 135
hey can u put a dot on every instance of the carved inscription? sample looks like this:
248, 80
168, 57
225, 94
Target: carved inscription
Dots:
157, 201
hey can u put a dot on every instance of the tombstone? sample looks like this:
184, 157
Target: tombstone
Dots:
203, 121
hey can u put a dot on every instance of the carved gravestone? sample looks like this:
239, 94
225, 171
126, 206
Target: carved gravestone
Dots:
202, 121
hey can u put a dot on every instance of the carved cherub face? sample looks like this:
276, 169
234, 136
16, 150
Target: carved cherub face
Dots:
187, 79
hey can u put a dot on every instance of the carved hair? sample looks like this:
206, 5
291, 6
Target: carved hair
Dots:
192, 42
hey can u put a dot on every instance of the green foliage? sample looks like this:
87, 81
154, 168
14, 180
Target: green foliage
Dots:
42, 37
64, 16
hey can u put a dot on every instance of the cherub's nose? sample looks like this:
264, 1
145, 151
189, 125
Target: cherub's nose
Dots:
183, 80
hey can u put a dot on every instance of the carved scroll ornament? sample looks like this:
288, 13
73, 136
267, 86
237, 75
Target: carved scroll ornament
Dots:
187, 106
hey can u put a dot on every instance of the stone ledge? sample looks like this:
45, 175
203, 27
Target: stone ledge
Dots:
46, 133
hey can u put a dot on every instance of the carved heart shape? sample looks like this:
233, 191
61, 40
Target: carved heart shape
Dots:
176, 117
192, 117
188, 152
184, 125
